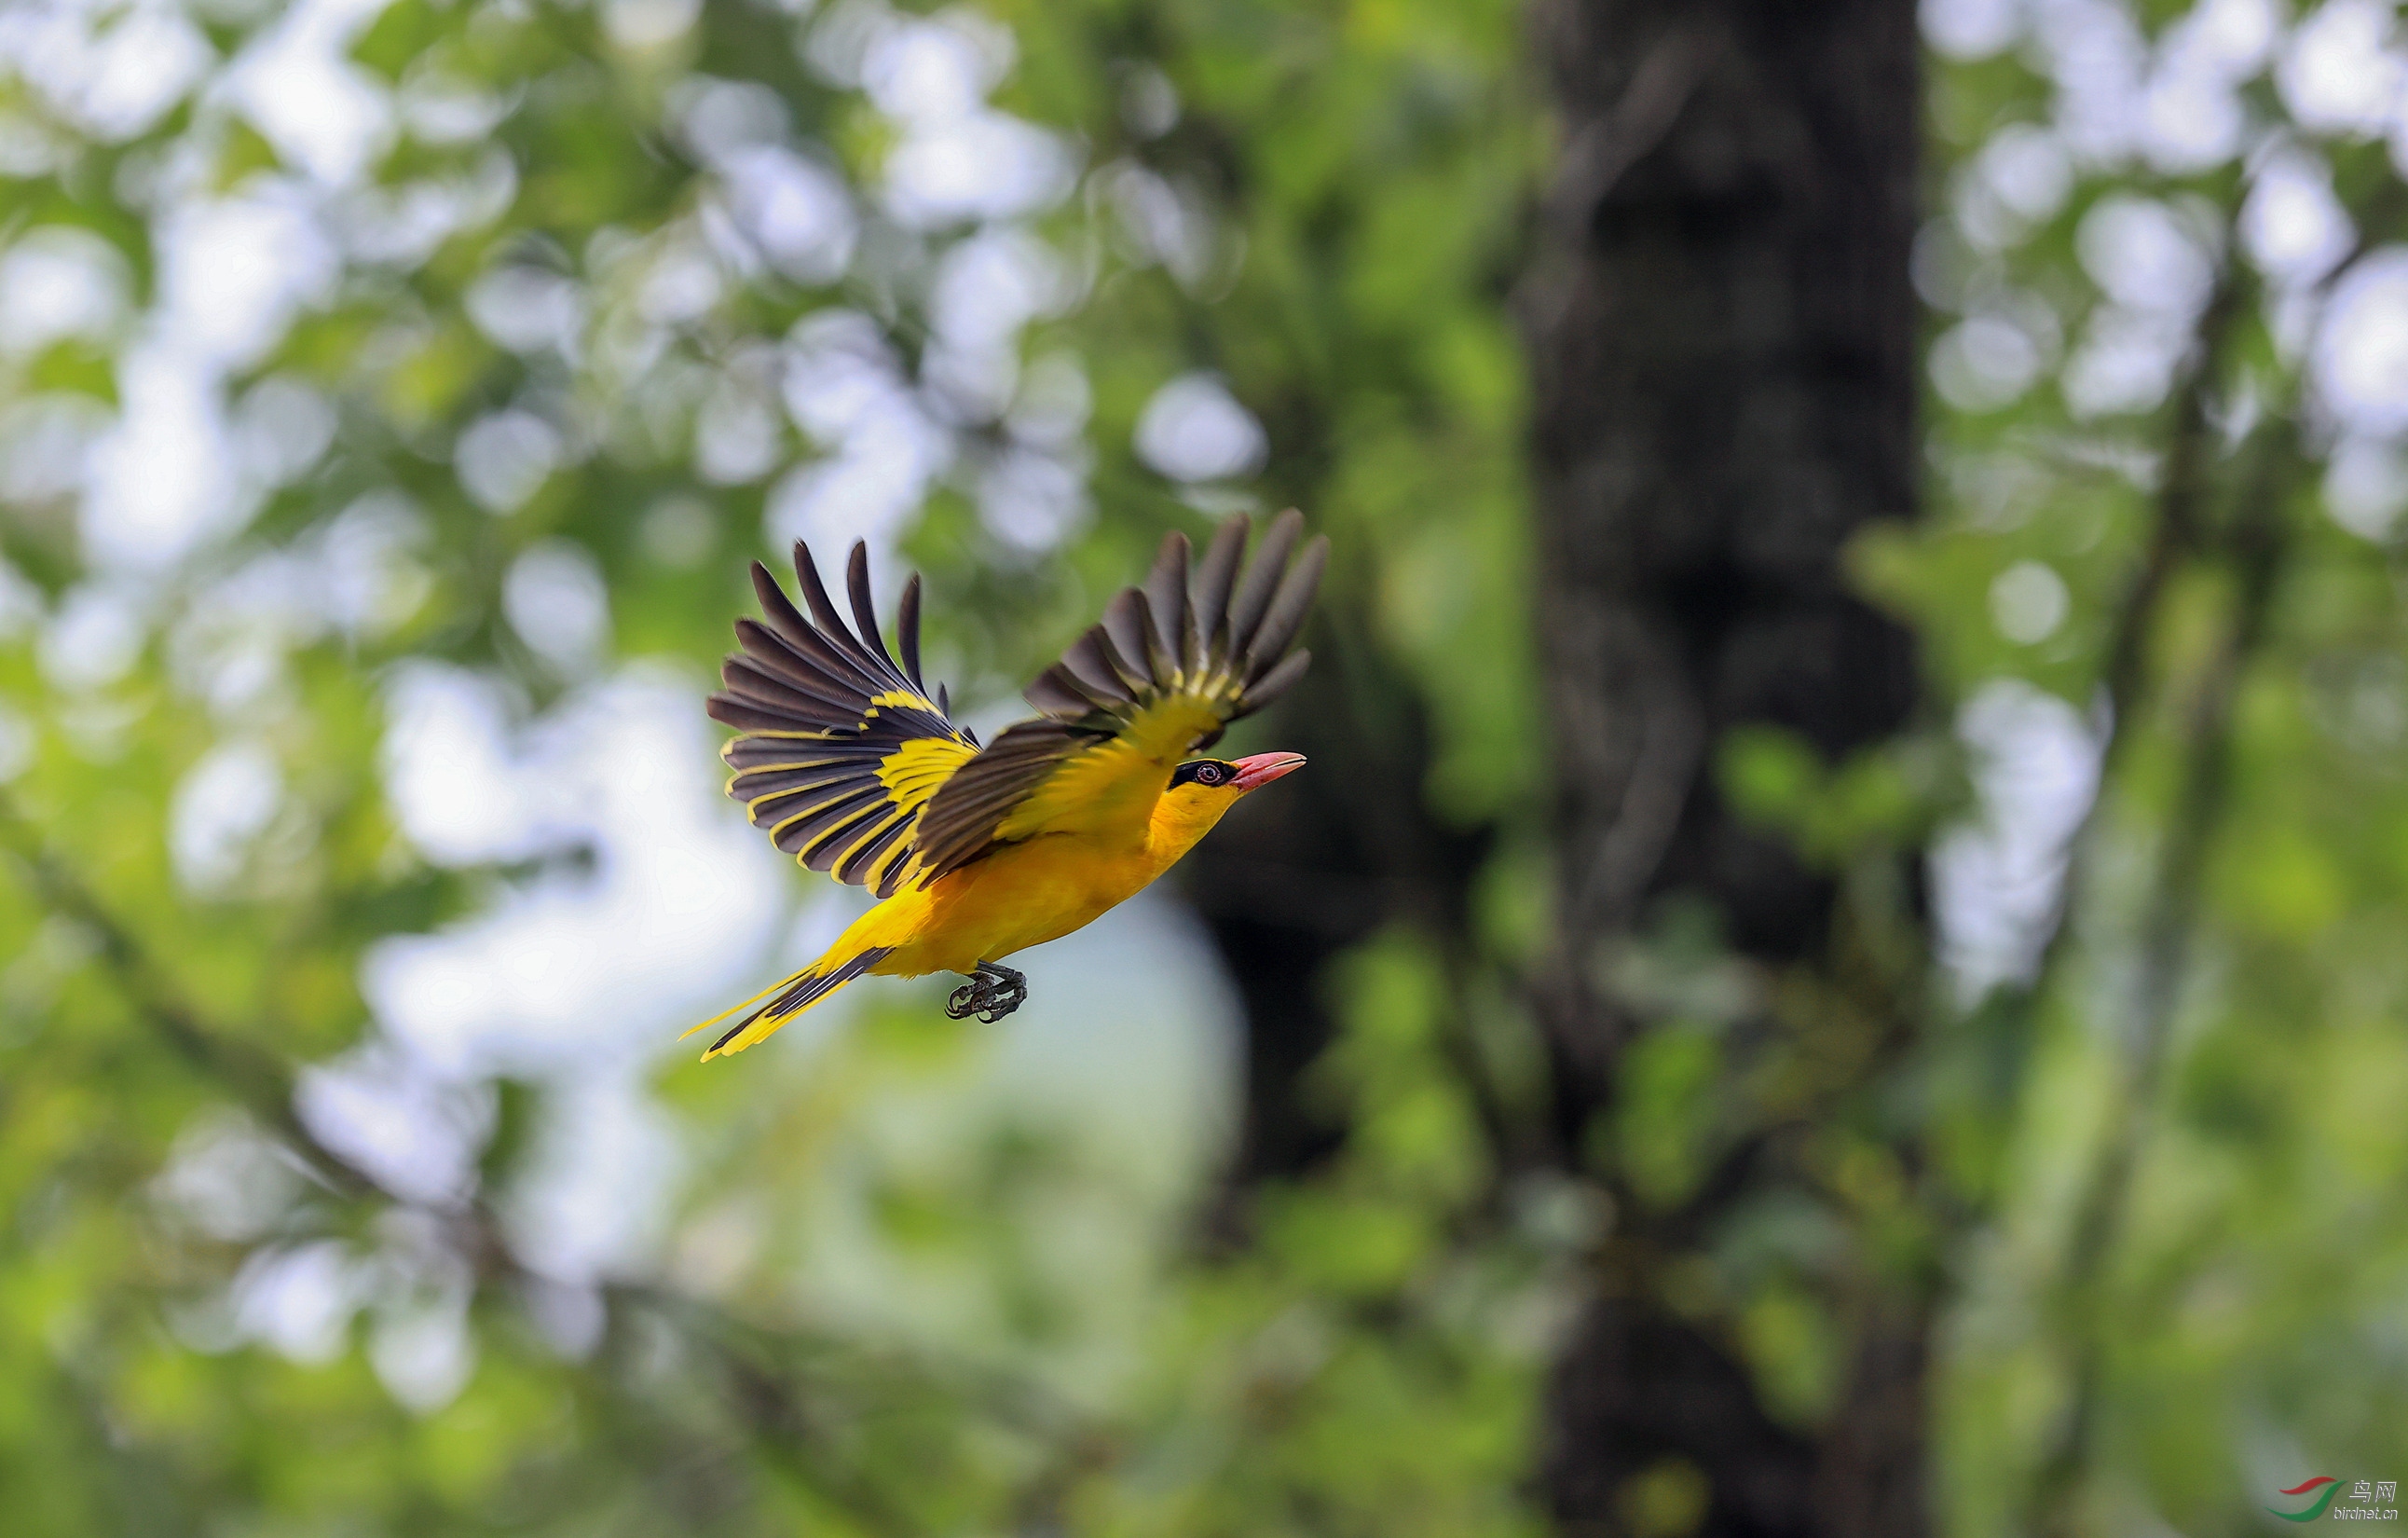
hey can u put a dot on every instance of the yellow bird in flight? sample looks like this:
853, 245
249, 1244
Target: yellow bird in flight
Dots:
979, 852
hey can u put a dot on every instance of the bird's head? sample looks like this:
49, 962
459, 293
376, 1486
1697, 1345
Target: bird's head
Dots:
1202, 790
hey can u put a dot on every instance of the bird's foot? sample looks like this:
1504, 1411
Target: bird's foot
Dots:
1011, 991
993, 992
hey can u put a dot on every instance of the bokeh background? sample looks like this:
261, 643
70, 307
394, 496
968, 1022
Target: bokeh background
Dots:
391, 397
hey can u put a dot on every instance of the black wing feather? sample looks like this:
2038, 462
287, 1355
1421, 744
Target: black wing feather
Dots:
1215, 578
1165, 595
1287, 611
906, 631
864, 614
1262, 577
825, 708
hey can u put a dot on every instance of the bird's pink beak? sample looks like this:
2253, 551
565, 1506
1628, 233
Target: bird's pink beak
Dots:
1262, 768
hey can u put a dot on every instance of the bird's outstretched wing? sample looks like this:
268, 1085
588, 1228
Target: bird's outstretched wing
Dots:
842, 748
1172, 663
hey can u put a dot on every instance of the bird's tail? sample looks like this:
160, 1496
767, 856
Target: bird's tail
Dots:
788, 999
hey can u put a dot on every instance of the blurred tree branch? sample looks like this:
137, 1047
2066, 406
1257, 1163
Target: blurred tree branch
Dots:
770, 1403
256, 1081
2249, 546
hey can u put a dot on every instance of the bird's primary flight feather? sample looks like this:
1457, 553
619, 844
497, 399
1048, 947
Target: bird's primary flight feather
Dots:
842, 747
850, 764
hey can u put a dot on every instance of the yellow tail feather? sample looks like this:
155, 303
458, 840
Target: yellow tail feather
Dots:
775, 988
788, 997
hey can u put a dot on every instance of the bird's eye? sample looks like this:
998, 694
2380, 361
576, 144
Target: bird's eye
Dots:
1210, 774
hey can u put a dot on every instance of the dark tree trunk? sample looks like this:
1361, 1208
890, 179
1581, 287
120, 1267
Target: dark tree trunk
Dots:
1721, 328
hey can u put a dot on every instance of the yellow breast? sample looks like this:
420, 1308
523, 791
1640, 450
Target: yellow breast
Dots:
1027, 893
1022, 894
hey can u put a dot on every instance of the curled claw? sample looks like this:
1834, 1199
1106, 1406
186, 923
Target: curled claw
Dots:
993, 992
